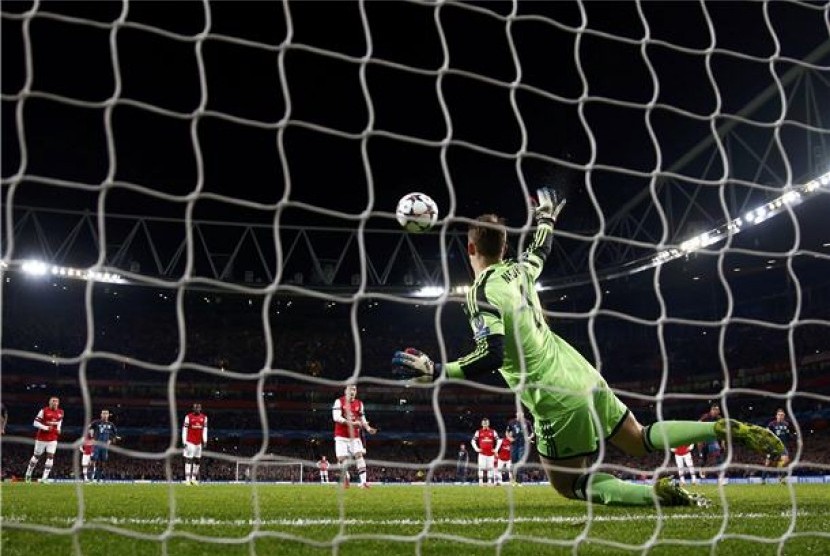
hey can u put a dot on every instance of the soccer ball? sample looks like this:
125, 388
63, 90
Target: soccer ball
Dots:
416, 212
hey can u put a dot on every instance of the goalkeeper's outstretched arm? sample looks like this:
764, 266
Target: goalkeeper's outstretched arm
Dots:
416, 365
537, 252
489, 300
488, 356
547, 211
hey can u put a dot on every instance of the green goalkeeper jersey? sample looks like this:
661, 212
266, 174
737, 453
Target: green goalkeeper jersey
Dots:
546, 371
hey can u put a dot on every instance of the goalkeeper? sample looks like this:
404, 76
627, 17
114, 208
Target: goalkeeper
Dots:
573, 407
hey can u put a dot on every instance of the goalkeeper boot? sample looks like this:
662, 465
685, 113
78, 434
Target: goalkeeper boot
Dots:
758, 439
670, 494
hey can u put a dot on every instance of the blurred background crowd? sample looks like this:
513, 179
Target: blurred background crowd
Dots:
267, 376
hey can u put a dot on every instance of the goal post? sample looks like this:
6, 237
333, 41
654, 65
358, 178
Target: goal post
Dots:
269, 471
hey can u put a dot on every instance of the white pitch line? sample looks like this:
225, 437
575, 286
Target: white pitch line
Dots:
317, 522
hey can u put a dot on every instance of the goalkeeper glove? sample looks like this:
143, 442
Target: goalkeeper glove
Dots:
413, 364
550, 204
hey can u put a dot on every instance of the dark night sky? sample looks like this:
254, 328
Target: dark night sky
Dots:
155, 150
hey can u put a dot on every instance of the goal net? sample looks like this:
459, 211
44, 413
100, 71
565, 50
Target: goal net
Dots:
198, 207
265, 471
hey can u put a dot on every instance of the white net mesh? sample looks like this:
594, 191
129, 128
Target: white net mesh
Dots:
223, 180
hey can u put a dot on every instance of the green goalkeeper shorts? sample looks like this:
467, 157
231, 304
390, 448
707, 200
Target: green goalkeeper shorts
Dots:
576, 431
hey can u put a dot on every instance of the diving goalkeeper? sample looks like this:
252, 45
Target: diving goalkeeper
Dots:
572, 405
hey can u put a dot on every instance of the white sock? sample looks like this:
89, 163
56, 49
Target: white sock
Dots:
187, 470
32, 464
47, 468
361, 470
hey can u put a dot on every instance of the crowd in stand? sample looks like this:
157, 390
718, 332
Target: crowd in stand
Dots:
314, 351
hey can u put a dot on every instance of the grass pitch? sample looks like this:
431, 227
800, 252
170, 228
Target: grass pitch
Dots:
315, 520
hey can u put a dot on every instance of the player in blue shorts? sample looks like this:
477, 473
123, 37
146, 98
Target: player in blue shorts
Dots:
781, 428
104, 433
711, 451
518, 426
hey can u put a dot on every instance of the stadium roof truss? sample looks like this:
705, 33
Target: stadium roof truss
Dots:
752, 153
691, 196
318, 257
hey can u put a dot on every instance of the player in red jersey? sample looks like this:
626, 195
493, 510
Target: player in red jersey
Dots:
195, 436
48, 423
349, 419
323, 466
503, 458
486, 443
683, 460
87, 447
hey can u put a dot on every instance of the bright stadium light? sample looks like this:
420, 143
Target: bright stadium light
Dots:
34, 267
791, 198
438, 291
429, 291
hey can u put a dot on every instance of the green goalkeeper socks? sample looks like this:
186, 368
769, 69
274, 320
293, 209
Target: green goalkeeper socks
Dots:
611, 491
671, 434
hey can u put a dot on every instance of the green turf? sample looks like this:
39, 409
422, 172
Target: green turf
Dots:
389, 520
